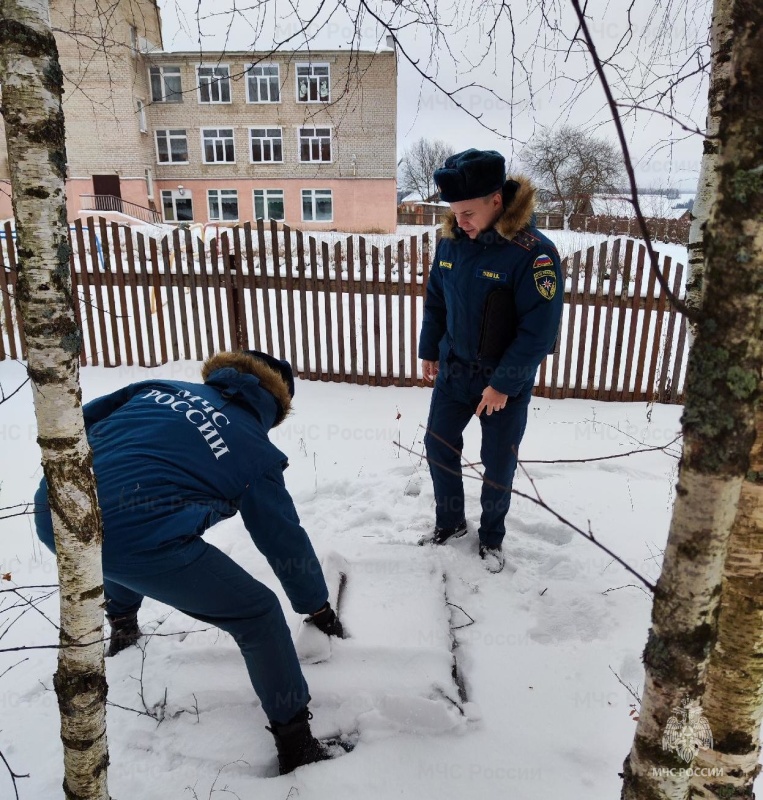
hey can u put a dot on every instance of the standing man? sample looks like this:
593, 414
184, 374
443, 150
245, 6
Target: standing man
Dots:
492, 311
171, 459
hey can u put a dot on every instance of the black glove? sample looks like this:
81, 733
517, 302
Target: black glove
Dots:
327, 621
124, 632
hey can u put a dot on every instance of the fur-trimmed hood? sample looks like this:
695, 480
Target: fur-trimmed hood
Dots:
516, 215
231, 371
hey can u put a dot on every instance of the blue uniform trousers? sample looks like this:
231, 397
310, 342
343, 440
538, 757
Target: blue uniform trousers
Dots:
209, 586
457, 393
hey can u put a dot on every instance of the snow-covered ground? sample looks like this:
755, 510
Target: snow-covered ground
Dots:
542, 649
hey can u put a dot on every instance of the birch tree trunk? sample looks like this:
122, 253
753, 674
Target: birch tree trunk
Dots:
722, 394
707, 185
34, 123
733, 700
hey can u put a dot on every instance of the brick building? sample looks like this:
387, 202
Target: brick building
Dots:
308, 138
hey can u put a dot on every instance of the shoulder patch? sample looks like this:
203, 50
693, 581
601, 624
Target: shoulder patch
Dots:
545, 283
543, 262
446, 264
526, 240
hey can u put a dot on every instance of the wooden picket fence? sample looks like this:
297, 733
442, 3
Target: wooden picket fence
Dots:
343, 310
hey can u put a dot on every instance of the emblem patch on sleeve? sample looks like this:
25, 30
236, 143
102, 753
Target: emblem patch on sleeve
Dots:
545, 282
543, 262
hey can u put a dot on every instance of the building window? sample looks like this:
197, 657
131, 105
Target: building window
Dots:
218, 145
315, 144
149, 185
317, 205
214, 84
172, 146
143, 127
313, 83
263, 84
223, 204
267, 144
133, 40
268, 204
176, 206
165, 85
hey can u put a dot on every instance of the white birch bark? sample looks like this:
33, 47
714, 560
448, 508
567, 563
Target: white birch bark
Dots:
722, 395
34, 124
707, 185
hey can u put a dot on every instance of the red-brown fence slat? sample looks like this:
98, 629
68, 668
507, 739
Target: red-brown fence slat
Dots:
290, 312
8, 307
375, 290
262, 282
571, 316
388, 312
245, 295
302, 283
193, 284
145, 279
554, 389
667, 357
351, 303
364, 308
414, 282
169, 298
341, 374
181, 277
614, 267
220, 295
640, 393
156, 277
203, 284
675, 393
317, 338
278, 285
622, 305
108, 283
593, 386
131, 278
87, 295
629, 345
401, 312
13, 266
98, 308
119, 276
230, 279
585, 301
328, 321
651, 388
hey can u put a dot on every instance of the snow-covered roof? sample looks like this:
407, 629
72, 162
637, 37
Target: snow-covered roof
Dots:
652, 205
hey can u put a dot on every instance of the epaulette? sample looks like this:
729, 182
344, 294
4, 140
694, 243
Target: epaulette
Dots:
525, 239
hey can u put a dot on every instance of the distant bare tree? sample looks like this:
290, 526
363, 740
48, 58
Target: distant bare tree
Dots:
418, 164
573, 165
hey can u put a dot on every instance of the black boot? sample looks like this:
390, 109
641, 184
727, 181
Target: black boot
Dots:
442, 535
296, 744
124, 632
327, 621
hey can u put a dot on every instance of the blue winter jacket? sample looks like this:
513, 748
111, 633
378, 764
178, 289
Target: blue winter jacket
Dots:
173, 458
512, 257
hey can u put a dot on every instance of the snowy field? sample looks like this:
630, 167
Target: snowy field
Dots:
541, 650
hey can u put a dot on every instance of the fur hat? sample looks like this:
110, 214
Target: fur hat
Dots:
473, 173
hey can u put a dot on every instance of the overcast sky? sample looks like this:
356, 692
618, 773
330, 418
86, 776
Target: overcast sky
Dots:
513, 95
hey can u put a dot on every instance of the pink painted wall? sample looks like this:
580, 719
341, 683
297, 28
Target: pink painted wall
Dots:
360, 205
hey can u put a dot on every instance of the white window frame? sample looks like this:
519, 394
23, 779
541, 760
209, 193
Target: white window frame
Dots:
220, 217
264, 138
267, 80
313, 191
230, 128
311, 66
175, 194
169, 145
314, 136
133, 40
149, 183
265, 193
214, 82
142, 122
165, 94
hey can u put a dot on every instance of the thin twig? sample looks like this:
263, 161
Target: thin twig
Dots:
14, 775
